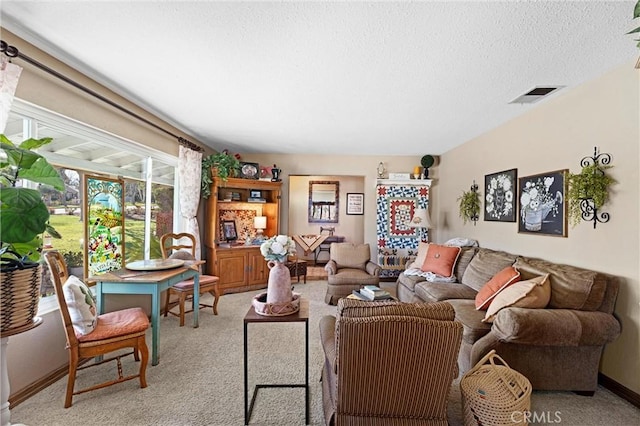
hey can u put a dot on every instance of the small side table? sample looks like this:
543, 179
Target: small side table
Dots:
298, 268
301, 316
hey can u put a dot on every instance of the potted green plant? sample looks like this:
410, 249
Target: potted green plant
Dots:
25, 217
636, 14
469, 205
222, 165
592, 183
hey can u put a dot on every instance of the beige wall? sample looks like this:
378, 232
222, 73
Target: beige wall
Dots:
364, 167
349, 226
556, 135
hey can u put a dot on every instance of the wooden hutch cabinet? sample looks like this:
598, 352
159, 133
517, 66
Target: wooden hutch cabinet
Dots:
240, 267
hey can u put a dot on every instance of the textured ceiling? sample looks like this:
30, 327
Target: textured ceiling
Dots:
378, 78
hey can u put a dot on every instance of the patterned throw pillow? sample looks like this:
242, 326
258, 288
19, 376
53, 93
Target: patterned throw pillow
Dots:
82, 307
420, 257
440, 260
495, 285
533, 293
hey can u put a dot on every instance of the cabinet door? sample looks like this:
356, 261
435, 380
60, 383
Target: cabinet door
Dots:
258, 269
231, 269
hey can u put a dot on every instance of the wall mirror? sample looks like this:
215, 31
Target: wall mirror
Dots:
323, 201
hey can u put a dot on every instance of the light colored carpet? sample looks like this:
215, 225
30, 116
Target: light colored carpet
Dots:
199, 380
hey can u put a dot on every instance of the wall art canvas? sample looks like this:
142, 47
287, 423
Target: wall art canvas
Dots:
500, 201
543, 208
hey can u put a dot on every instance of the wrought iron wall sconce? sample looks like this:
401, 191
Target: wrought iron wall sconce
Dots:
583, 193
469, 204
476, 212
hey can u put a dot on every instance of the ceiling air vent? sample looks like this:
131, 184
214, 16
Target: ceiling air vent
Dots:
535, 94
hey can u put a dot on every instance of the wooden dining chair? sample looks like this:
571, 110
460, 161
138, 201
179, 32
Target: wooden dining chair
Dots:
173, 246
105, 333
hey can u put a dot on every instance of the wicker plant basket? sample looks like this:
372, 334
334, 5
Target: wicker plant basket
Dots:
495, 394
20, 297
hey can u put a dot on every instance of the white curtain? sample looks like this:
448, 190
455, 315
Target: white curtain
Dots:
9, 76
189, 166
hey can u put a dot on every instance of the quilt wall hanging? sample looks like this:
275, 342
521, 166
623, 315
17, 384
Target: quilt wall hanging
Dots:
397, 242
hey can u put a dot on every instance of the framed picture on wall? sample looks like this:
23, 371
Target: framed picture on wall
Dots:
355, 203
543, 207
500, 201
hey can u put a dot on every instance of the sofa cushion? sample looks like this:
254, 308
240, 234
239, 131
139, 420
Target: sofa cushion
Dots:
471, 319
466, 254
484, 265
562, 327
435, 292
422, 255
533, 293
353, 276
571, 287
409, 281
347, 255
441, 260
495, 285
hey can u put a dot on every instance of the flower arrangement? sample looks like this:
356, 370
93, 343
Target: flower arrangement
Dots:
538, 196
278, 248
499, 198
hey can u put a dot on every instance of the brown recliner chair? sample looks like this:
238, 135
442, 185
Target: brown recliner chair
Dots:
349, 268
389, 362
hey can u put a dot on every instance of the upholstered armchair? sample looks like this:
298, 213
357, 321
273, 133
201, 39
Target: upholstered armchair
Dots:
389, 362
349, 268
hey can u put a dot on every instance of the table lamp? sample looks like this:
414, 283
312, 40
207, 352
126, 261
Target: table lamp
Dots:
260, 223
420, 219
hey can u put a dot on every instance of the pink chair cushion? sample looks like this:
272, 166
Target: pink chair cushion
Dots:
204, 280
117, 324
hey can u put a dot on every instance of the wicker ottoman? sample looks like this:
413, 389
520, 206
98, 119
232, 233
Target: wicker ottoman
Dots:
298, 268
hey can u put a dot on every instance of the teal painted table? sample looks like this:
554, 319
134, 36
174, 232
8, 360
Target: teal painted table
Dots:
126, 281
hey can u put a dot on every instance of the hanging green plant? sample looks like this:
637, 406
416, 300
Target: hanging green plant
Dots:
225, 166
592, 183
470, 205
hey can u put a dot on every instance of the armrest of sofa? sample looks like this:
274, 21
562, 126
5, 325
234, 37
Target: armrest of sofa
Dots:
331, 267
555, 327
372, 268
328, 338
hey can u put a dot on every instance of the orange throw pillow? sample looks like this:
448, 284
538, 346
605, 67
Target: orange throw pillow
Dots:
440, 260
501, 280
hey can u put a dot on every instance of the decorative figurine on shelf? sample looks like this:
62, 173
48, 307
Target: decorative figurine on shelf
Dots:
275, 172
381, 170
426, 161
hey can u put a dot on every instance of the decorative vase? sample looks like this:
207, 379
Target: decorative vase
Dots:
279, 285
279, 300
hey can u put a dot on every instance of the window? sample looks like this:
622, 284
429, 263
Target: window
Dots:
77, 149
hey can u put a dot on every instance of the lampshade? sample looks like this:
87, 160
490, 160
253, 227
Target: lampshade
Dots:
420, 219
260, 222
